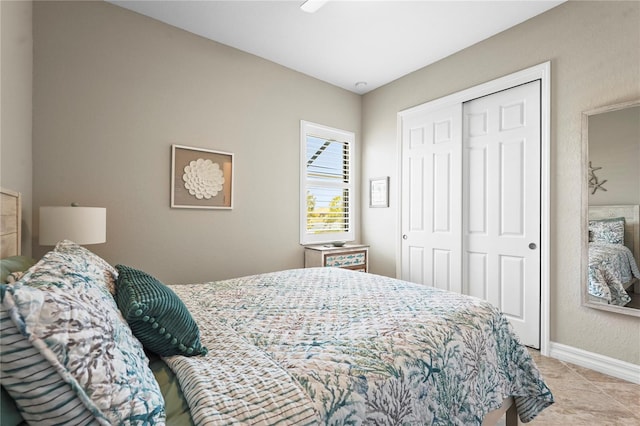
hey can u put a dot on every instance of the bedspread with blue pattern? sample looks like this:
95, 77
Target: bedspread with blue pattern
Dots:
611, 267
336, 347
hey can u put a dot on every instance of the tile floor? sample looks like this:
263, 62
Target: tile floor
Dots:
586, 397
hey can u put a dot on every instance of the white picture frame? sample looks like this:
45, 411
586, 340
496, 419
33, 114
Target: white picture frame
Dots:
379, 192
201, 178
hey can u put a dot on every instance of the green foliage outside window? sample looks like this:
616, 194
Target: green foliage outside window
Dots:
328, 219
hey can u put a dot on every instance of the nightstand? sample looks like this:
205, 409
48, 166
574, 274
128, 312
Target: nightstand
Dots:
349, 256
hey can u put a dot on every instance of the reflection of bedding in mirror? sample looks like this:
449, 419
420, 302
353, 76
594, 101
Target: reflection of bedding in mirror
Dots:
612, 266
611, 272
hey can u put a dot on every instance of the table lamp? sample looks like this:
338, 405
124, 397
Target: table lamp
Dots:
82, 225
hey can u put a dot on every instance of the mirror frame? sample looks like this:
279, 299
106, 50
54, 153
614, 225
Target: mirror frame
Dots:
585, 211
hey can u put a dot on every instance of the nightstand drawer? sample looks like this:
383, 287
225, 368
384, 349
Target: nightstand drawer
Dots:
341, 260
350, 256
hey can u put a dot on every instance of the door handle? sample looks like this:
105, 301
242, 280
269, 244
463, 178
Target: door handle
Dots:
532, 246
405, 236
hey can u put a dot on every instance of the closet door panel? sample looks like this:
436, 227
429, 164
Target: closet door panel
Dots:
477, 189
441, 193
512, 282
431, 162
442, 269
476, 275
501, 203
416, 190
512, 189
416, 264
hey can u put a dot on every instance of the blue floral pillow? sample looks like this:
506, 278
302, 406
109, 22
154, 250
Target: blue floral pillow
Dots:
610, 231
63, 312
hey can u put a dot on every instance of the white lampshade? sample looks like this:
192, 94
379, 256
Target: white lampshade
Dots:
82, 225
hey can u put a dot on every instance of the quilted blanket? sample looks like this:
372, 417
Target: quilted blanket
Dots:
611, 266
335, 347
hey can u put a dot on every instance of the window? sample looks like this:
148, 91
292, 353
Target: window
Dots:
327, 187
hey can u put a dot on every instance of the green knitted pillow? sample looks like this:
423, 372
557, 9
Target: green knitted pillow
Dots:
156, 315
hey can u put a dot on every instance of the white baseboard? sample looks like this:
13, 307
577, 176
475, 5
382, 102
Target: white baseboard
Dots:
603, 364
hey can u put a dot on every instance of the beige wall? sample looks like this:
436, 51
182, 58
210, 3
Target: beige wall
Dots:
594, 49
113, 90
16, 72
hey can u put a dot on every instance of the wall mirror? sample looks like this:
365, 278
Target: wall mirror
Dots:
611, 208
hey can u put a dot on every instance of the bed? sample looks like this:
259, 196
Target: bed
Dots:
113, 345
614, 253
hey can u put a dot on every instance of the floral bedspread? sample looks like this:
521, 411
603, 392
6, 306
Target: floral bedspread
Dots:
611, 266
335, 347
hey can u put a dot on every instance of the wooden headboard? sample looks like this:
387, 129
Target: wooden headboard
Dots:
10, 223
631, 214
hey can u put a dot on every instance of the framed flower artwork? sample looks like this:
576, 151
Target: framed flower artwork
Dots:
201, 178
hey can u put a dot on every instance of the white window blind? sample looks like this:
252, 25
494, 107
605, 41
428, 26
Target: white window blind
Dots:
326, 183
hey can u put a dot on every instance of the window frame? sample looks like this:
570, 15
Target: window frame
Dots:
308, 128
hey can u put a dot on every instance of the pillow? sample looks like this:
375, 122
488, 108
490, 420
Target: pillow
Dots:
89, 258
33, 382
81, 350
157, 316
13, 264
610, 231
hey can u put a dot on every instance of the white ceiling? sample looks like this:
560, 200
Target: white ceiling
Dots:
345, 42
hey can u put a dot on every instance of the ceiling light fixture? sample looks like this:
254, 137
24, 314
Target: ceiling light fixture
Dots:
311, 6
361, 85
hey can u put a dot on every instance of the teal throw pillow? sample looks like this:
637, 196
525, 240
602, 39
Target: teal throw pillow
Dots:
156, 315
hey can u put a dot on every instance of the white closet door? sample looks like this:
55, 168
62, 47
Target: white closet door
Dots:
431, 207
501, 205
